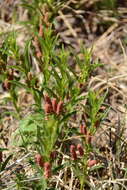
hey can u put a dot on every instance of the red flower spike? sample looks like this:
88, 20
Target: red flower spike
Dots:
88, 138
47, 99
80, 149
53, 155
83, 129
37, 48
41, 30
73, 152
39, 160
59, 107
97, 123
48, 108
47, 170
54, 105
91, 163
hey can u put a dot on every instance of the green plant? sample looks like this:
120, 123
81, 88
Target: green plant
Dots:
57, 102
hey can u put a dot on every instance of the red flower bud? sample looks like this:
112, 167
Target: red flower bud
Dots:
53, 155
59, 107
73, 152
83, 129
80, 149
91, 163
88, 138
47, 99
47, 170
39, 160
48, 108
37, 47
41, 30
97, 123
54, 104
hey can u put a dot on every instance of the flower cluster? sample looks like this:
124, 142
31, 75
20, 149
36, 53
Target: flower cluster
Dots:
52, 106
47, 170
74, 149
36, 42
39, 160
45, 165
91, 163
78, 150
84, 131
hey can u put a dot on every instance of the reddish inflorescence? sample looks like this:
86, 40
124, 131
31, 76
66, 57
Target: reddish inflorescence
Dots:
59, 107
52, 106
73, 152
88, 138
53, 155
80, 149
47, 170
41, 33
37, 47
91, 163
45, 165
39, 160
86, 133
76, 151
48, 108
83, 129
47, 99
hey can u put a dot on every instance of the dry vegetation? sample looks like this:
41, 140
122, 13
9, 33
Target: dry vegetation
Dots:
88, 150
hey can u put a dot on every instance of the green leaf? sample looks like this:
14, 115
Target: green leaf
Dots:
58, 168
2, 149
6, 162
21, 85
50, 92
68, 116
96, 167
29, 124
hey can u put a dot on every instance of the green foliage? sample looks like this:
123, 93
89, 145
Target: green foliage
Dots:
46, 129
107, 4
4, 164
94, 104
9, 47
